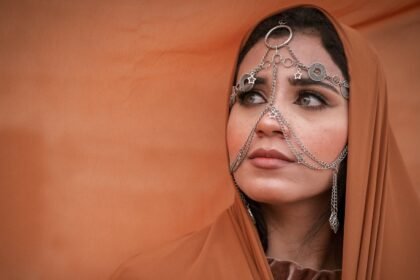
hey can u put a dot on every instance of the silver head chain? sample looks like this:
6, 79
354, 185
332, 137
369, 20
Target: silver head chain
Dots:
316, 72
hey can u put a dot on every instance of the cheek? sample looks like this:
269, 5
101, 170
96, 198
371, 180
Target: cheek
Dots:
327, 139
238, 130
234, 135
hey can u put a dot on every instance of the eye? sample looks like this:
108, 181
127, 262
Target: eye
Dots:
251, 98
311, 100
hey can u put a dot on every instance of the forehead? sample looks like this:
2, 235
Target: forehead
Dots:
307, 48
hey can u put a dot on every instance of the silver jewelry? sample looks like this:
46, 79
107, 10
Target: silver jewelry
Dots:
316, 72
334, 222
298, 74
244, 201
279, 26
246, 83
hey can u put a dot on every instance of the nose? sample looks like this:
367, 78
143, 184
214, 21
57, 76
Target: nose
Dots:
268, 126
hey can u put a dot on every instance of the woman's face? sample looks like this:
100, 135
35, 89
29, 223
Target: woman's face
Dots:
316, 112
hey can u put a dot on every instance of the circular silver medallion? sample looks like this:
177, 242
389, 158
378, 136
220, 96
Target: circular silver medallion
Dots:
344, 91
246, 83
317, 72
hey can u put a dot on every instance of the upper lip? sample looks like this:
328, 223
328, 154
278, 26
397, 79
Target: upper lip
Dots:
271, 153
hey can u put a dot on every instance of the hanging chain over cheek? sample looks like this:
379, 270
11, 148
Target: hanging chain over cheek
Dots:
243, 151
300, 151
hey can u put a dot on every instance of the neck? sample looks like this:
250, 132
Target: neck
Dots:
300, 232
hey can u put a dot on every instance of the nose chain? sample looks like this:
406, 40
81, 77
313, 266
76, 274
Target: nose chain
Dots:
295, 144
243, 151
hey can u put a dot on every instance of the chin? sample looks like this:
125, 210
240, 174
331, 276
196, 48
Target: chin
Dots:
271, 193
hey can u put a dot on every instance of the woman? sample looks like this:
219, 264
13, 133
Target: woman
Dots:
295, 108
286, 164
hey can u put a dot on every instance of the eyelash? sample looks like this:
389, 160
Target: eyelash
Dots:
243, 95
242, 98
311, 94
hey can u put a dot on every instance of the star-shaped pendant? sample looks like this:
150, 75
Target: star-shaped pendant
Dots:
251, 79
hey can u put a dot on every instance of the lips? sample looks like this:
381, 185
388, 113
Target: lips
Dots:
269, 159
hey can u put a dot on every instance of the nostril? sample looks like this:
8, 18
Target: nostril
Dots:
279, 132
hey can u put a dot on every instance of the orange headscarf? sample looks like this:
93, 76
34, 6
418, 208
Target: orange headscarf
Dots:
112, 120
380, 238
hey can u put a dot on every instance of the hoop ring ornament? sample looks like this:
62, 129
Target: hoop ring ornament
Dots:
277, 59
287, 62
280, 26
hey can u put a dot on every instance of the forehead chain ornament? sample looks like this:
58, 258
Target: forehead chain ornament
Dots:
316, 72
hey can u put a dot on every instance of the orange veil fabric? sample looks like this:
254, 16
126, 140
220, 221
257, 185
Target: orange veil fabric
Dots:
380, 233
113, 160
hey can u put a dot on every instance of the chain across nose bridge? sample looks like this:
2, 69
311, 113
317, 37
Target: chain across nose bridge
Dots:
274, 114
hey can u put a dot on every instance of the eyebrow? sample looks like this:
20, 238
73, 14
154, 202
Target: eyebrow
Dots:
300, 82
307, 81
260, 81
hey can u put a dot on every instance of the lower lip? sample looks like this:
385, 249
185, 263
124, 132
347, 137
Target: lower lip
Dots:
269, 163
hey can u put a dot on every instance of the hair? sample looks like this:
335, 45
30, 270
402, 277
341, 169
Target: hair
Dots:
307, 20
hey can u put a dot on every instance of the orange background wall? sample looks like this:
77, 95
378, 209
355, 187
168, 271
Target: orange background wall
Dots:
111, 111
